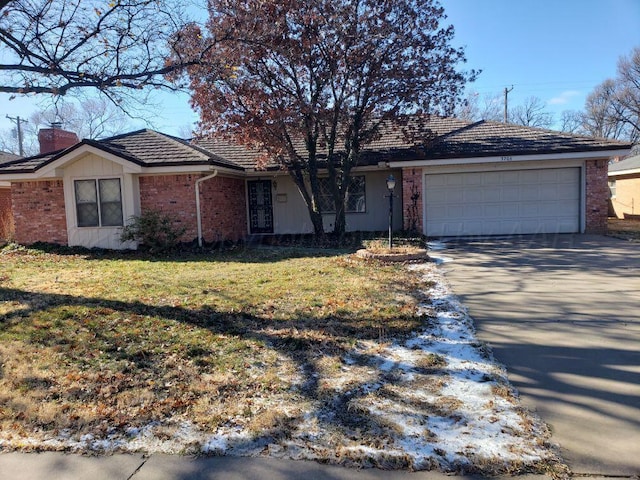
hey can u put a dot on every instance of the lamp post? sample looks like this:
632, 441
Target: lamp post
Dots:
391, 184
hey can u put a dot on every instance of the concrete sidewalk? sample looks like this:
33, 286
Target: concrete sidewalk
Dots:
59, 466
563, 314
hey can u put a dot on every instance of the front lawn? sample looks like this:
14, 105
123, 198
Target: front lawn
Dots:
282, 352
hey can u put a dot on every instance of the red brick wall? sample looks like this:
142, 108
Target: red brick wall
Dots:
224, 212
173, 195
39, 213
6, 215
412, 207
222, 204
597, 196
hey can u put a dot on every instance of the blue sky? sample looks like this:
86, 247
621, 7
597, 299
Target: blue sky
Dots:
556, 50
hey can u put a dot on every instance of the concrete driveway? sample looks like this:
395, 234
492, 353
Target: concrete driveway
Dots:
563, 313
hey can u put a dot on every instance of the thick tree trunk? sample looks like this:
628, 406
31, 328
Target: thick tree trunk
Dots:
309, 199
316, 221
341, 189
340, 221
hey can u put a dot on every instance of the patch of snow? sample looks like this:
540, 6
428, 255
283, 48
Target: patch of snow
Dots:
436, 245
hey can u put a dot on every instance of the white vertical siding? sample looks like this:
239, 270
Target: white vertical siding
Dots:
92, 166
291, 215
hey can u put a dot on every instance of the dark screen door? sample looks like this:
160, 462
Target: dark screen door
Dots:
260, 206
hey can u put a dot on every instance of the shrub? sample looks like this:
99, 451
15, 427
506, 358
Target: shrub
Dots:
153, 229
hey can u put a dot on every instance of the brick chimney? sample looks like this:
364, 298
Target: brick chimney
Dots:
54, 138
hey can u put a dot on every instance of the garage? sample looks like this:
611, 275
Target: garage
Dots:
503, 202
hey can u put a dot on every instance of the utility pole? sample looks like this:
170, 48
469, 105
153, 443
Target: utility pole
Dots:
18, 121
506, 110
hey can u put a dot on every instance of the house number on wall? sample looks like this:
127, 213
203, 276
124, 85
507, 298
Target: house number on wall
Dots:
506, 159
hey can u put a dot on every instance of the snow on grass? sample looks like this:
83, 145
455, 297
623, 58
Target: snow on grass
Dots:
434, 400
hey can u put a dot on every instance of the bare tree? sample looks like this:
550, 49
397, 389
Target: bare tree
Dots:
612, 110
485, 107
626, 104
599, 118
186, 130
571, 121
532, 113
119, 47
90, 118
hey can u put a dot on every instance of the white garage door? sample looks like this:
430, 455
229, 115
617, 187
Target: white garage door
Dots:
504, 202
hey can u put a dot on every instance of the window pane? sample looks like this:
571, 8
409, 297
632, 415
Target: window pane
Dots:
110, 202
356, 195
111, 214
86, 191
326, 199
86, 204
110, 190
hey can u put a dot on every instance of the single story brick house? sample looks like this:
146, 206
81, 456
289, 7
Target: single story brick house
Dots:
624, 186
463, 179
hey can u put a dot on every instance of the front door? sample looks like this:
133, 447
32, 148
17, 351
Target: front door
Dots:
260, 206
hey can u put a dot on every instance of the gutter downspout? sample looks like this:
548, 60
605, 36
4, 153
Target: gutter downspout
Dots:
198, 214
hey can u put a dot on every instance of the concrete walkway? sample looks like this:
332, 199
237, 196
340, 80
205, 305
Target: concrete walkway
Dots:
563, 313
59, 466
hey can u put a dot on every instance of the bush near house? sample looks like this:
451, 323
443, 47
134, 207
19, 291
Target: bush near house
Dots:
154, 230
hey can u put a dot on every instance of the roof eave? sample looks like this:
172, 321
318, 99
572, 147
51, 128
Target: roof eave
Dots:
190, 167
509, 157
630, 171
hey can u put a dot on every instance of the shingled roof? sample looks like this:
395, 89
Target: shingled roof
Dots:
6, 157
631, 163
442, 138
145, 147
484, 138
432, 138
392, 143
151, 148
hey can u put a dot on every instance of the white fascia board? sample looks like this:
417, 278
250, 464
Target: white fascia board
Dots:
5, 184
26, 177
56, 173
371, 168
631, 171
280, 173
512, 158
52, 169
265, 173
186, 169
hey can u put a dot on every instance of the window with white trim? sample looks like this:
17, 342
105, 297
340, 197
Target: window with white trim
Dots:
612, 188
99, 202
355, 200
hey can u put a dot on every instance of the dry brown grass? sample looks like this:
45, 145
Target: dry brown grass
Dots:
624, 228
90, 345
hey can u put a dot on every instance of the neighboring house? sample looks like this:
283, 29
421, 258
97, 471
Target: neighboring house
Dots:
6, 157
624, 186
463, 178
6, 218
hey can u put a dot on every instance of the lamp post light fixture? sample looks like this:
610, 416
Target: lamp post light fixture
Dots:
391, 184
